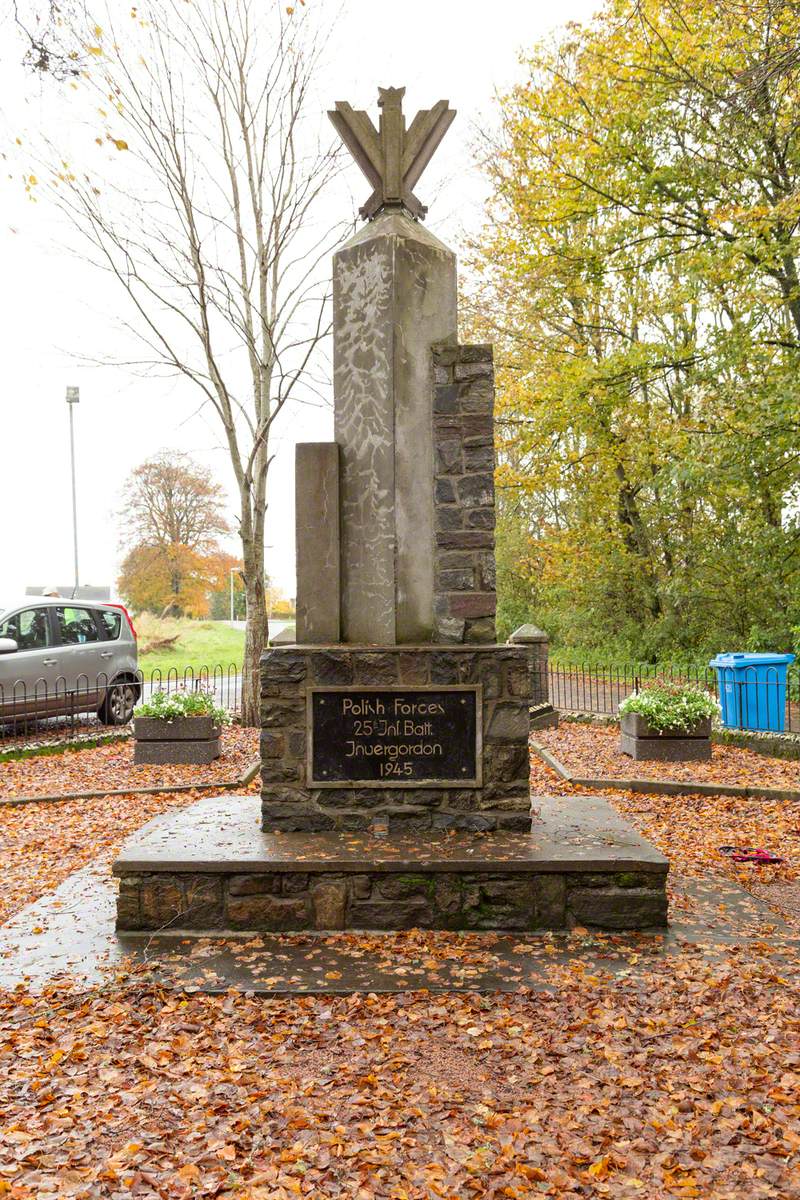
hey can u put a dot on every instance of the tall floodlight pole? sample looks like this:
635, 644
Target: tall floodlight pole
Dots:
73, 397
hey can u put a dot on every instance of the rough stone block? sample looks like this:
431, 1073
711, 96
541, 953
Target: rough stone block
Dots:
472, 604
617, 908
456, 581
478, 429
465, 539
414, 668
481, 631
282, 665
360, 886
390, 914
550, 897
475, 352
450, 629
128, 907
296, 743
253, 885
448, 518
280, 713
330, 668
504, 762
203, 902
449, 458
445, 398
444, 492
480, 518
472, 370
329, 899
274, 770
300, 822
295, 882
375, 669
273, 745
479, 458
268, 912
161, 901
509, 722
476, 490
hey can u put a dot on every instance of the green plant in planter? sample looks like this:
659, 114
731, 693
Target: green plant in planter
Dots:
667, 705
183, 703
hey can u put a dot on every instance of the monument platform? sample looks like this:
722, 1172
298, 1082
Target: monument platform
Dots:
211, 868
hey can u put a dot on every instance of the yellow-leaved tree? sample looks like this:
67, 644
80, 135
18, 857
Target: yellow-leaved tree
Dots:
638, 274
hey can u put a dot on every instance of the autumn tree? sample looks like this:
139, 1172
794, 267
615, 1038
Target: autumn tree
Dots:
639, 274
174, 580
172, 517
207, 218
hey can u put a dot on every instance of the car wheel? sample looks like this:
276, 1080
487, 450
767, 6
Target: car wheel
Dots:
120, 701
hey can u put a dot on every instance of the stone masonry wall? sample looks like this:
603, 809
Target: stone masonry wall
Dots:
464, 518
284, 900
511, 683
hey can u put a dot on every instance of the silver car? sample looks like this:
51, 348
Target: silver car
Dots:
62, 657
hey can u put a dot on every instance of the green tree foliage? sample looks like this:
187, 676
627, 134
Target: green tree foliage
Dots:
639, 276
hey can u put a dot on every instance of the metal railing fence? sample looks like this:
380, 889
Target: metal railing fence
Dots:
67, 711
64, 711
751, 703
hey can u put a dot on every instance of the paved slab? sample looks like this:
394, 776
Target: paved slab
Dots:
69, 935
221, 833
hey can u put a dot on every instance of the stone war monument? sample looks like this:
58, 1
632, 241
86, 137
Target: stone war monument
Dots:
395, 730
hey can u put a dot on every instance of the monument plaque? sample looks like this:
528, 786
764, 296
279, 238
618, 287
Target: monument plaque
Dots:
394, 737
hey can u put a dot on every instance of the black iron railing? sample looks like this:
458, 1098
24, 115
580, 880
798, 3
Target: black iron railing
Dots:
67, 710
749, 702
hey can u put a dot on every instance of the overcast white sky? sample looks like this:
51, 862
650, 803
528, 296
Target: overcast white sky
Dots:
53, 307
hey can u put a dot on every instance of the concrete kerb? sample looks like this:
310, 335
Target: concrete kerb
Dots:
228, 785
661, 787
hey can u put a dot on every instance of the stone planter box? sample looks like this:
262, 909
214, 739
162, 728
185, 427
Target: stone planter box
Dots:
641, 741
183, 740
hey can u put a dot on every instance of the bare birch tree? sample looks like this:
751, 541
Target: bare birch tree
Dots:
211, 224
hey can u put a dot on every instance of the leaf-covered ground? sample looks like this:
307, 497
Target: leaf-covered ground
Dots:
111, 766
680, 1080
592, 751
687, 1086
689, 830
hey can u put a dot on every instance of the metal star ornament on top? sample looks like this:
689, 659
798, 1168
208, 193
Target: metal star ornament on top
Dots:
392, 157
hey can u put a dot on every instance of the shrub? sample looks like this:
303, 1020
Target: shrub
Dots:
182, 703
666, 705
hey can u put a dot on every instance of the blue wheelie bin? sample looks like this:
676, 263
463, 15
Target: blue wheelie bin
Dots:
752, 690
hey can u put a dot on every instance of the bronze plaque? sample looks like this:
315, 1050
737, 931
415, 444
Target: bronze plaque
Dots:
394, 736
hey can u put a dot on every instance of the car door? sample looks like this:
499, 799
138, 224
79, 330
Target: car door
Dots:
80, 654
29, 677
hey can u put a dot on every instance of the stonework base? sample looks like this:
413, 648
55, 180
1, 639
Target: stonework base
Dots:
320, 901
209, 868
512, 678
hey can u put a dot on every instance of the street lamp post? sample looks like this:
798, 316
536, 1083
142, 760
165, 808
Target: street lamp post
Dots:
231, 574
73, 397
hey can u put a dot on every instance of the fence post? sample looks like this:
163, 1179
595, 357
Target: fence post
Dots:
539, 643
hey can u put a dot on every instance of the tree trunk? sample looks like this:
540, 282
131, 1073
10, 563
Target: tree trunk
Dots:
256, 628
